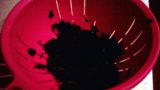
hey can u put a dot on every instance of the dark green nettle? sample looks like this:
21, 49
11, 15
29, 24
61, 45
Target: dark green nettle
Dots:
81, 59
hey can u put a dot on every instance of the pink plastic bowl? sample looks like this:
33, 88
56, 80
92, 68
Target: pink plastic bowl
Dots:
130, 22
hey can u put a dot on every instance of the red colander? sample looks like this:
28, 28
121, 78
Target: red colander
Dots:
130, 22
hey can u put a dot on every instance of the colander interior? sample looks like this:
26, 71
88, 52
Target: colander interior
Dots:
123, 21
